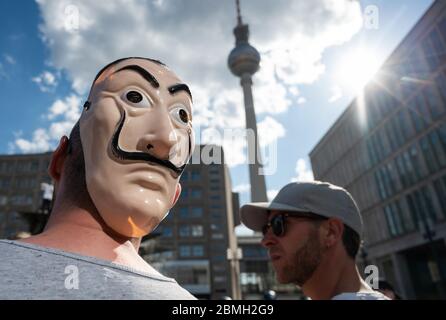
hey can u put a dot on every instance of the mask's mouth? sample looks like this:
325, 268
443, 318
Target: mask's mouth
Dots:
141, 156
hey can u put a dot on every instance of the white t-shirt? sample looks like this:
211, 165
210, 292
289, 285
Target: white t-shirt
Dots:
365, 295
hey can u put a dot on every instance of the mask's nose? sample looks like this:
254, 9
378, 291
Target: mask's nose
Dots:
161, 139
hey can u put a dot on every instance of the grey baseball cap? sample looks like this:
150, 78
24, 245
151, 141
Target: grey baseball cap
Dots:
321, 198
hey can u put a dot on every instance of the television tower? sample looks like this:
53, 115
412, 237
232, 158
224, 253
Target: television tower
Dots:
243, 61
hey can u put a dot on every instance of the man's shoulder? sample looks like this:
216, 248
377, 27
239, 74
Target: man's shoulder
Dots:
34, 272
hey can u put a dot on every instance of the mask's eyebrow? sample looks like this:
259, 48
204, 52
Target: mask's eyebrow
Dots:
143, 73
180, 87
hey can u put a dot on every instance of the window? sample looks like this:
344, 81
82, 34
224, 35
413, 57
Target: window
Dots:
184, 176
216, 214
439, 149
371, 151
21, 200
23, 166
423, 110
442, 28
195, 176
196, 212
197, 251
392, 135
416, 117
25, 183
197, 231
434, 101
184, 231
5, 183
196, 193
409, 166
34, 165
219, 257
185, 251
220, 279
3, 200
441, 83
167, 232
419, 171
440, 189
406, 129
436, 42
402, 170
420, 205
251, 251
442, 135
394, 219
184, 212
431, 160
429, 52
380, 183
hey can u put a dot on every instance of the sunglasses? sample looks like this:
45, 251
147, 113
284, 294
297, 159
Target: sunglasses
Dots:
277, 223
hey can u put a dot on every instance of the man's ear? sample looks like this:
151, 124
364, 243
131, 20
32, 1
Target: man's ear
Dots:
177, 194
333, 231
58, 159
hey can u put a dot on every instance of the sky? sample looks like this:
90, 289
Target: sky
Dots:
315, 57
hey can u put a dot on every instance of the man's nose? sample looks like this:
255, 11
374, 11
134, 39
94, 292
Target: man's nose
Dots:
161, 137
269, 239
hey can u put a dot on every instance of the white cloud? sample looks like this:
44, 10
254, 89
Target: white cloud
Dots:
62, 114
242, 231
9, 59
290, 35
40, 142
68, 108
46, 81
336, 94
303, 173
272, 194
301, 100
269, 130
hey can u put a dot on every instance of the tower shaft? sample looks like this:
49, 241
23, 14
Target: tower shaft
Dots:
257, 180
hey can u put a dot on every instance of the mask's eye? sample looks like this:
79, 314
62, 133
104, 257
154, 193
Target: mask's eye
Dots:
136, 99
180, 114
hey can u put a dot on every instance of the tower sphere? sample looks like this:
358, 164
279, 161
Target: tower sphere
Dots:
244, 58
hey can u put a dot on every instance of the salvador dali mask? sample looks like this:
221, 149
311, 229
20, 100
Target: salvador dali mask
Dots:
137, 137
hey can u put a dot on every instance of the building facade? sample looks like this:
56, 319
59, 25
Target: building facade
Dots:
389, 150
196, 242
20, 193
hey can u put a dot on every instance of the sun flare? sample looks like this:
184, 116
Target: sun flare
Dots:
356, 69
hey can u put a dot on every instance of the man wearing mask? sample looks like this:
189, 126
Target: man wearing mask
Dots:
116, 178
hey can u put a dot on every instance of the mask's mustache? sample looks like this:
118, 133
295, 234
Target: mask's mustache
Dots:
141, 156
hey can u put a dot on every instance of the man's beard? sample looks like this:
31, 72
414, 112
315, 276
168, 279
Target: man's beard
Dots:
304, 261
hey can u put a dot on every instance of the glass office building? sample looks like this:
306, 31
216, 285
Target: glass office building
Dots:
389, 150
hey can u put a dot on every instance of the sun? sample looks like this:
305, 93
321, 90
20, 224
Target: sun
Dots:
356, 69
